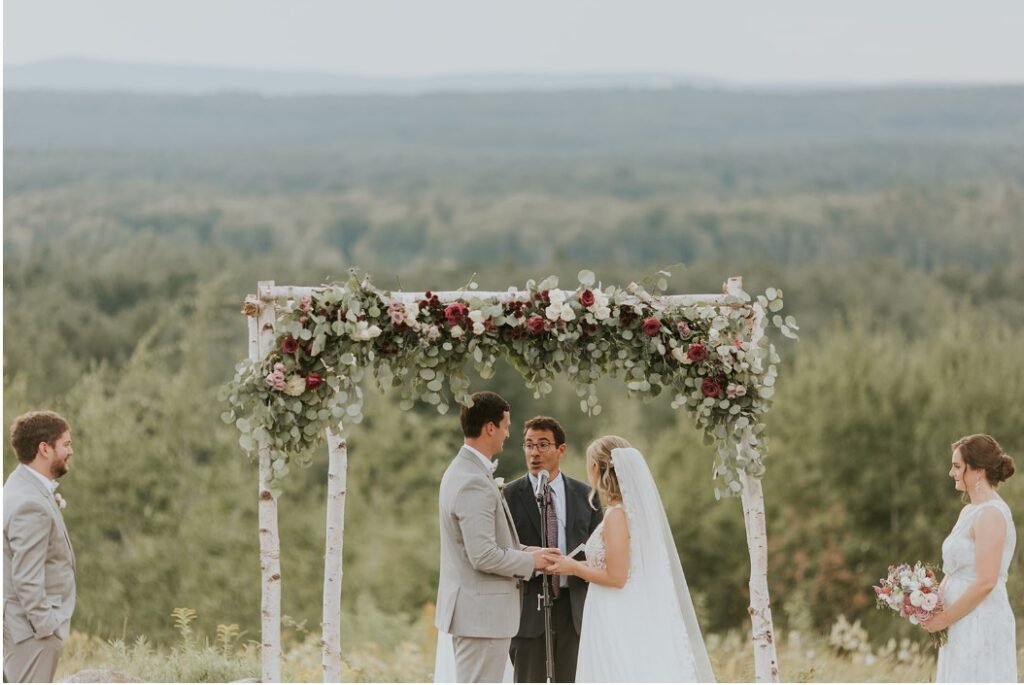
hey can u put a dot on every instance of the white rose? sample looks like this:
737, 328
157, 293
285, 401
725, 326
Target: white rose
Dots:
680, 355
916, 597
478, 328
927, 582
561, 310
930, 601
601, 313
295, 385
457, 332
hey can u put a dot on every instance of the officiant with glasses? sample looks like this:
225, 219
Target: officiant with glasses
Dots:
569, 523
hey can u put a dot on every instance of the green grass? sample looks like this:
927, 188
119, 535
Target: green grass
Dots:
393, 649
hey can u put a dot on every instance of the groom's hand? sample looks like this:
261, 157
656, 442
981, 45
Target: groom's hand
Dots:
544, 557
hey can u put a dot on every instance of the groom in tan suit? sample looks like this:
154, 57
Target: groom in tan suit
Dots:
39, 565
482, 561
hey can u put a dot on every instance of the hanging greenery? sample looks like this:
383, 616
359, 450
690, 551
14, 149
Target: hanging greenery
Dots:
704, 355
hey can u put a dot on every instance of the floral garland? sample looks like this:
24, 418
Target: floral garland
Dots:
325, 343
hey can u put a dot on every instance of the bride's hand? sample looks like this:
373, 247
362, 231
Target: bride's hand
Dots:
563, 566
935, 622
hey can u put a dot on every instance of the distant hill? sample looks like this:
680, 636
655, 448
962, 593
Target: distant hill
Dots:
97, 75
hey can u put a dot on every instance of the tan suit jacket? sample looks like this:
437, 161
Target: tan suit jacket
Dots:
481, 557
39, 564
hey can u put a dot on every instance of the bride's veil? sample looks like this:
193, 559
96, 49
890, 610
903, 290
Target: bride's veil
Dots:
654, 548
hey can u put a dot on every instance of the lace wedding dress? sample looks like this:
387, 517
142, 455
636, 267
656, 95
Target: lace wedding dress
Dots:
646, 631
982, 646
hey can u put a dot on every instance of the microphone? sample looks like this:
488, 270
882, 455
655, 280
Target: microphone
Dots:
542, 480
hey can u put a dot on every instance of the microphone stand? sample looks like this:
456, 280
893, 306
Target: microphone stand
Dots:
545, 598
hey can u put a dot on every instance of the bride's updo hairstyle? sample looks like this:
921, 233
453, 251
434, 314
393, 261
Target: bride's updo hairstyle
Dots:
983, 452
599, 453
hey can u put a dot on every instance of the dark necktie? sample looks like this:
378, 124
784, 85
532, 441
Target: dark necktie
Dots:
551, 524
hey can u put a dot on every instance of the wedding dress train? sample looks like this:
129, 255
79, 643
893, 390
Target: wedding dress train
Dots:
646, 631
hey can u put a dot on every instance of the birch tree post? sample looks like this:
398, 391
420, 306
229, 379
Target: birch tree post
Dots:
766, 660
337, 479
270, 541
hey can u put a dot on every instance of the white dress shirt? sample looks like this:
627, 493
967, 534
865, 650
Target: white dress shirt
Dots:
558, 496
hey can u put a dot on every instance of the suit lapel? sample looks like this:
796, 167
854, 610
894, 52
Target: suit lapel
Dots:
577, 513
530, 505
466, 454
37, 486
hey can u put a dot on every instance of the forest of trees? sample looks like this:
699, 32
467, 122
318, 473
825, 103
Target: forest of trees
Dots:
134, 226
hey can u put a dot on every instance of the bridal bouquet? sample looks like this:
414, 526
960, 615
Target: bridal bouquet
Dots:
913, 593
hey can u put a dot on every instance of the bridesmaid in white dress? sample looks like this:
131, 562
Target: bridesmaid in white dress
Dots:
976, 556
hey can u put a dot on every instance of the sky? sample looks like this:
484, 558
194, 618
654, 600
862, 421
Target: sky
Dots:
744, 41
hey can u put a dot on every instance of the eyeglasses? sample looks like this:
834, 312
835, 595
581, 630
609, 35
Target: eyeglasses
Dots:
543, 446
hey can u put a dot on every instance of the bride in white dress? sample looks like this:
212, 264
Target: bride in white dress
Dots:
639, 624
976, 556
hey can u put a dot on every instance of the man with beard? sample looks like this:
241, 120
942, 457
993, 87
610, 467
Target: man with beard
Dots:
39, 565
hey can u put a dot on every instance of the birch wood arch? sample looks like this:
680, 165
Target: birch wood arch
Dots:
309, 348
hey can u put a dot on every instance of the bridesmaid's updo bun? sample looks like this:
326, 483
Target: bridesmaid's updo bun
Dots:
1005, 469
981, 451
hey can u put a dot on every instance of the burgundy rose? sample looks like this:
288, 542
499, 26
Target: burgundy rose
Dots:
587, 298
455, 313
711, 387
289, 345
536, 324
651, 326
626, 314
697, 353
313, 380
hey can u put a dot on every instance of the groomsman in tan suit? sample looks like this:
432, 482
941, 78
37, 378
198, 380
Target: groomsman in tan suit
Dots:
482, 561
39, 565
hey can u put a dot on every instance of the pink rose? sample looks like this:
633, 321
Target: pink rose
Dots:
711, 387
455, 313
587, 298
684, 329
651, 326
397, 313
536, 324
697, 352
305, 302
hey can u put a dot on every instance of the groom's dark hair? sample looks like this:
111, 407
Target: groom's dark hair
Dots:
488, 407
28, 430
546, 423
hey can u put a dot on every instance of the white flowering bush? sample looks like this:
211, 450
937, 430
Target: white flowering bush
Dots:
702, 355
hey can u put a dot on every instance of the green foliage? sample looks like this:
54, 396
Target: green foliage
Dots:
702, 352
892, 221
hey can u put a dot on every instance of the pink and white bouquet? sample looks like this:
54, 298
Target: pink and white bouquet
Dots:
913, 593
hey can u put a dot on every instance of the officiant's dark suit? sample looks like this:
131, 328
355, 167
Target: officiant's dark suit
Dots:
545, 444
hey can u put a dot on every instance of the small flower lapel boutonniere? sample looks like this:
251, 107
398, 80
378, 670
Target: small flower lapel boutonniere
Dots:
500, 482
61, 502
